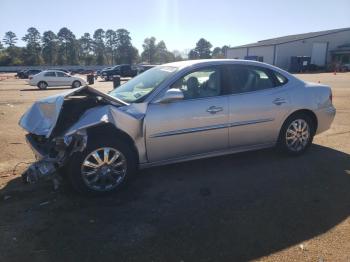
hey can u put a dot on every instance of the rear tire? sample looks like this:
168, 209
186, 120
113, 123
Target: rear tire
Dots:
109, 177
42, 85
296, 134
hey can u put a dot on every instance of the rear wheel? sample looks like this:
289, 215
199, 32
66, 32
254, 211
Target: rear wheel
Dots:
103, 167
296, 134
42, 85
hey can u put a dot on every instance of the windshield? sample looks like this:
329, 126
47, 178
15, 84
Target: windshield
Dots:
143, 84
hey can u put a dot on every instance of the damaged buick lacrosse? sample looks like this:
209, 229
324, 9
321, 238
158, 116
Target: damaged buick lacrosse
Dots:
174, 112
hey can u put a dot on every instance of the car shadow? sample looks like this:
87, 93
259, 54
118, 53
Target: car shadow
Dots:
231, 208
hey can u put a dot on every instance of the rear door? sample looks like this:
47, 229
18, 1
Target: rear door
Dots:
258, 103
192, 126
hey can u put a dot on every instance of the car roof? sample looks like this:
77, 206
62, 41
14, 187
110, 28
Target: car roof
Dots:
53, 70
186, 63
212, 62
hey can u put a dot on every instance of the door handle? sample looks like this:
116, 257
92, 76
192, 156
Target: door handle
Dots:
279, 101
214, 109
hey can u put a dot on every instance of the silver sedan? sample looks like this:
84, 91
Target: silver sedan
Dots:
171, 113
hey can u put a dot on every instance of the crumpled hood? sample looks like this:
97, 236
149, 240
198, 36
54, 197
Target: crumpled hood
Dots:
42, 116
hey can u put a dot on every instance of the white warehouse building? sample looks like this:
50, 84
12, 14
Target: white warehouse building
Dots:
322, 49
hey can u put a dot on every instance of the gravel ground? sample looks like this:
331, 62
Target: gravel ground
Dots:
257, 206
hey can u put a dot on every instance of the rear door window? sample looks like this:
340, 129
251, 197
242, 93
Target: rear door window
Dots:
50, 74
243, 79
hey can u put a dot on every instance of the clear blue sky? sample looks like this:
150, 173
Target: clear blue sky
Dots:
180, 23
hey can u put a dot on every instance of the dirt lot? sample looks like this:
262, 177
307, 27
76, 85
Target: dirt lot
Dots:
251, 206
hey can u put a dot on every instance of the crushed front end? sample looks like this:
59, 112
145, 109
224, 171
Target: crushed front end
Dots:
48, 122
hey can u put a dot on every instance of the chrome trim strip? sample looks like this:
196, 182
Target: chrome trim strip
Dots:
250, 122
213, 127
188, 130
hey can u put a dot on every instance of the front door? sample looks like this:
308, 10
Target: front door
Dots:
63, 79
195, 125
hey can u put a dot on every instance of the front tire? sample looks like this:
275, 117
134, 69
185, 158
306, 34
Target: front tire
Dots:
296, 134
76, 84
105, 166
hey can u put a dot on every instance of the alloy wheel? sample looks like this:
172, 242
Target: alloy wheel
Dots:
104, 169
298, 135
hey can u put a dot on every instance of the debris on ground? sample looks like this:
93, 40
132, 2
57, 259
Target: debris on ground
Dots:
44, 203
7, 197
302, 247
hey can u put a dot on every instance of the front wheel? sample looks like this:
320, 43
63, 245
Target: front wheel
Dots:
296, 134
76, 84
103, 167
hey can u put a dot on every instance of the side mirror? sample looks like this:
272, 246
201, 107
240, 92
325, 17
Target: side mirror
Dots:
171, 95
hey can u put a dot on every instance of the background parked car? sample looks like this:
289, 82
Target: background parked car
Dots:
60, 69
55, 78
143, 68
345, 67
24, 74
20, 73
121, 70
77, 71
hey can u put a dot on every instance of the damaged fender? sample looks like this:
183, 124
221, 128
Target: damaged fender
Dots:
122, 120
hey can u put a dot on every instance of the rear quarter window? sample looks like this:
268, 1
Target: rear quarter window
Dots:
50, 74
280, 79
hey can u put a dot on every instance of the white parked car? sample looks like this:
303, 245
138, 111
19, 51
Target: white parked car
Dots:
55, 78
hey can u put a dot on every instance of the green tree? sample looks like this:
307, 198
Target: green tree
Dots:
126, 52
224, 49
177, 55
99, 46
86, 46
162, 54
33, 48
49, 47
10, 39
67, 53
193, 54
12, 56
110, 46
217, 53
202, 50
149, 50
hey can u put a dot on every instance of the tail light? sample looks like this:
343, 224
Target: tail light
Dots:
30, 78
331, 97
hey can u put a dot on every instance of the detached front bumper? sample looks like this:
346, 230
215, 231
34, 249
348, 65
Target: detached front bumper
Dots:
51, 155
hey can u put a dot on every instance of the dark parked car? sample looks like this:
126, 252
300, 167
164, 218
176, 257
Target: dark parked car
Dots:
20, 74
143, 68
121, 70
60, 69
26, 73
77, 71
